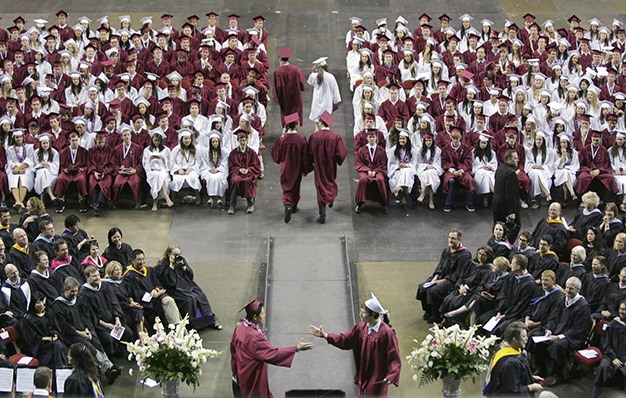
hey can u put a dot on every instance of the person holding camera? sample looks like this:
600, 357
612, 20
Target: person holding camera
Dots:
177, 278
506, 199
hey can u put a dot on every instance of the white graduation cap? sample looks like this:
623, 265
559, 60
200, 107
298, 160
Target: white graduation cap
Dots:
141, 100
158, 132
222, 105
380, 22
92, 87
253, 31
44, 91
152, 76
174, 74
320, 61
123, 32
70, 41
402, 20
25, 36
103, 78
215, 133
486, 22
606, 104
250, 90
555, 106
355, 20
374, 305
215, 118
33, 30
449, 31
79, 27
618, 23
125, 18
484, 137
103, 20
6, 119
466, 17
619, 96
111, 51
84, 20
594, 21
146, 20
184, 133
40, 23
540, 133
124, 76
547, 23
44, 137
79, 120
75, 74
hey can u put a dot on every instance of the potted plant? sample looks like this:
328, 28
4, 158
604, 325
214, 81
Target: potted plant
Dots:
171, 356
452, 355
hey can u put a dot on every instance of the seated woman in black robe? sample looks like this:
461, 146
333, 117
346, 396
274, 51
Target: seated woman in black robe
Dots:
118, 250
42, 339
611, 223
588, 216
598, 284
177, 278
498, 242
594, 245
35, 213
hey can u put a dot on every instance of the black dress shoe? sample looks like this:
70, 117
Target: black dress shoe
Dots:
321, 220
288, 212
358, 209
385, 209
331, 204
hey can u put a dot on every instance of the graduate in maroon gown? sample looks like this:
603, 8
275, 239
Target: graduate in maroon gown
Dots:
595, 164
326, 151
244, 170
127, 160
250, 352
100, 172
290, 151
456, 161
371, 164
72, 169
288, 86
375, 349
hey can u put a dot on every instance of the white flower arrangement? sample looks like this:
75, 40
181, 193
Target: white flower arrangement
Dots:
171, 355
450, 352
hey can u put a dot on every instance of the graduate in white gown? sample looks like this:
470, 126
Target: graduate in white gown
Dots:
484, 166
325, 89
540, 169
617, 154
214, 170
401, 166
185, 166
156, 164
566, 165
19, 168
429, 169
46, 164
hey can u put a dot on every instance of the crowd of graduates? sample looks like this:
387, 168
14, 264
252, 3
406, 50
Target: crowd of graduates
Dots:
446, 100
101, 105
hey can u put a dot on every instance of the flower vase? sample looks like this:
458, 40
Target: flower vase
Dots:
170, 389
451, 387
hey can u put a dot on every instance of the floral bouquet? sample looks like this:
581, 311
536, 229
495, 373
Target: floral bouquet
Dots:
171, 355
450, 352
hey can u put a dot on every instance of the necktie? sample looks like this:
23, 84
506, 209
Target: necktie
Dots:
371, 153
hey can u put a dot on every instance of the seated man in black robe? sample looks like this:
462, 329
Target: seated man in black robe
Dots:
612, 369
509, 372
567, 332
453, 264
544, 259
109, 315
16, 292
64, 265
142, 285
39, 279
20, 253
76, 237
6, 227
553, 226
45, 240
75, 322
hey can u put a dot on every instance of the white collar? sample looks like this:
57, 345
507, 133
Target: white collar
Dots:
375, 327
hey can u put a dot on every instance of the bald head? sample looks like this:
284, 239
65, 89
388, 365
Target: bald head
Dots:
11, 272
20, 237
554, 211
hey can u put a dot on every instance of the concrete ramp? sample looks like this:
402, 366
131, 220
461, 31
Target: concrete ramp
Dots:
309, 283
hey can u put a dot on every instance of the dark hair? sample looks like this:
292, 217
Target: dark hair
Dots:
457, 231
250, 316
43, 224
488, 251
58, 243
42, 377
90, 269
37, 296
481, 153
598, 244
513, 331
71, 220
526, 235
369, 312
38, 255
4, 210
503, 225
508, 155
69, 283
137, 252
547, 238
536, 150
112, 232
408, 148
40, 153
83, 359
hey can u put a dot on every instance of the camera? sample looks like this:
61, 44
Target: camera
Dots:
179, 260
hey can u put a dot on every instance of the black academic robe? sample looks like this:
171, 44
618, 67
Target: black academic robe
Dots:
544, 309
472, 279
614, 296
582, 222
123, 254
17, 297
179, 283
501, 248
72, 243
615, 262
516, 296
6, 234
539, 263
42, 244
49, 353
596, 290
568, 270
557, 231
69, 317
132, 315
136, 284
21, 259
41, 283
511, 377
79, 385
65, 269
106, 308
613, 346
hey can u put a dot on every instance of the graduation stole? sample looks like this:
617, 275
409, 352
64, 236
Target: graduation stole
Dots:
19, 249
557, 221
5, 226
143, 272
504, 243
538, 299
547, 253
